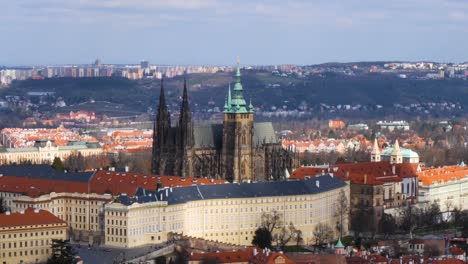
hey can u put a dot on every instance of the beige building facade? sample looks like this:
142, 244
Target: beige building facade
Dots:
229, 219
46, 152
26, 236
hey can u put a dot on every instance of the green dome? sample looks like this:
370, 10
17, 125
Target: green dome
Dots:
406, 153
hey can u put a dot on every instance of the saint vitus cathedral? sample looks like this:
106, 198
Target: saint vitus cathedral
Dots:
238, 149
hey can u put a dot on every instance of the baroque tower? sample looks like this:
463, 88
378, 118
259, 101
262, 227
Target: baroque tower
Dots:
375, 153
396, 157
238, 132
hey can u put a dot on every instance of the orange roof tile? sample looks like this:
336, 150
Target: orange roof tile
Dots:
34, 187
127, 182
362, 173
442, 175
29, 218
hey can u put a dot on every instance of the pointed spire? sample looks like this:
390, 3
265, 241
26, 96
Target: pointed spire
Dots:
162, 98
226, 104
238, 85
185, 95
250, 105
396, 148
229, 94
375, 148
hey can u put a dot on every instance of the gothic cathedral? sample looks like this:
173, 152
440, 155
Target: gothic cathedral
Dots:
237, 150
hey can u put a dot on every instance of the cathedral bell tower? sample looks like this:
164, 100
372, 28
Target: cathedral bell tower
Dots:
238, 131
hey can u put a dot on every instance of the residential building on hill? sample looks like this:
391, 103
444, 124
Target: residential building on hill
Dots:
44, 152
237, 150
26, 236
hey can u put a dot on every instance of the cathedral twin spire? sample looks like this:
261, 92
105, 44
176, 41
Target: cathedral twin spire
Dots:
169, 144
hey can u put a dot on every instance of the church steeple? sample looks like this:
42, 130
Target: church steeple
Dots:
238, 138
375, 153
162, 126
185, 119
237, 104
184, 139
396, 156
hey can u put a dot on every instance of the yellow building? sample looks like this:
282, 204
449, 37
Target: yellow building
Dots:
26, 236
82, 212
227, 213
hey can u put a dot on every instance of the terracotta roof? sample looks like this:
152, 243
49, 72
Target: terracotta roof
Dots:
30, 217
456, 250
246, 255
34, 187
442, 175
127, 182
224, 257
372, 173
448, 261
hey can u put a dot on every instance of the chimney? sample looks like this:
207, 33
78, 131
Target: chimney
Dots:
22, 212
347, 175
7, 213
365, 178
255, 251
167, 192
126, 169
317, 183
394, 169
161, 196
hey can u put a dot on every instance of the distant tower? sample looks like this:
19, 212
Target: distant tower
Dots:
238, 126
161, 137
396, 157
97, 63
375, 154
184, 138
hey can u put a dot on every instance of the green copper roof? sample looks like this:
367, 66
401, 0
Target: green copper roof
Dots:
236, 104
462, 164
406, 153
339, 244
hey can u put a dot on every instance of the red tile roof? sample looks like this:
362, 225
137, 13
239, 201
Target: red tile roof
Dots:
442, 175
102, 182
373, 173
127, 182
29, 218
456, 250
224, 257
246, 255
34, 187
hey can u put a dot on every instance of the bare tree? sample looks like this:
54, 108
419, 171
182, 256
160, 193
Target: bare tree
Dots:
271, 220
286, 234
299, 237
342, 212
322, 233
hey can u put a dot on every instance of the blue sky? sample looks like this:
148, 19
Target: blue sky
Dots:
216, 31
